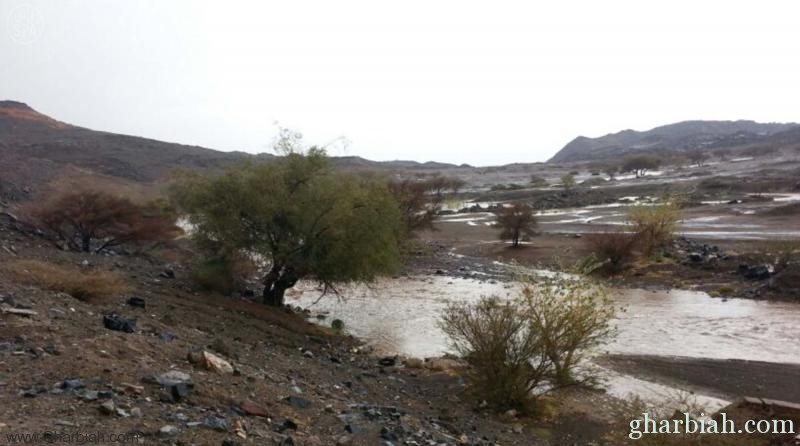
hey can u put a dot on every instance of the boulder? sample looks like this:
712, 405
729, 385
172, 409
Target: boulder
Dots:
210, 361
118, 323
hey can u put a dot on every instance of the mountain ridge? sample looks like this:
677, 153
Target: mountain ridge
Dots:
677, 137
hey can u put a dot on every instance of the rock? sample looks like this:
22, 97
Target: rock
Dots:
137, 302
118, 323
344, 440
210, 361
136, 412
167, 337
168, 431
308, 354
288, 424
297, 402
252, 409
757, 272
174, 377
216, 423
108, 408
7, 309
72, 384
388, 361
167, 274
337, 324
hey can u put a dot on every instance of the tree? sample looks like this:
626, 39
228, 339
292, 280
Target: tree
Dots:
640, 164
611, 170
91, 221
537, 181
515, 222
568, 181
698, 157
302, 217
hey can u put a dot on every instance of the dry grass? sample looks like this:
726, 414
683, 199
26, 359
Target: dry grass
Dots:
78, 283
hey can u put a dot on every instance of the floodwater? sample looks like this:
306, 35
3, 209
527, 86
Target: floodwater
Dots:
399, 316
718, 220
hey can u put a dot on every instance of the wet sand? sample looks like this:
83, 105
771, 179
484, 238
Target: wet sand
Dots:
728, 379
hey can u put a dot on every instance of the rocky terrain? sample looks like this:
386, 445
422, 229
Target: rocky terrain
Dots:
675, 138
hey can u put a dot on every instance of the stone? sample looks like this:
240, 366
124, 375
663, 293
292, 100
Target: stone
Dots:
137, 302
118, 323
216, 423
168, 431
297, 402
108, 407
72, 384
7, 309
174, 377
210, 361
252, 409
388, 361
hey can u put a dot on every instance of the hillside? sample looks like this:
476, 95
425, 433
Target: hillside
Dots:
678, 137
35, 149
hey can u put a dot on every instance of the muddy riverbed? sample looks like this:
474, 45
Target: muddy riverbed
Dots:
399, 316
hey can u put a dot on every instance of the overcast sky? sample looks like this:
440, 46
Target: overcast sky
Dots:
457, 81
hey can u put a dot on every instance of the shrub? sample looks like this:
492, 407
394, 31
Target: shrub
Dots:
616, 250
640, 164
80, 284
542, 336
91, 221
506, 353
568, 181
654, 225
573, 317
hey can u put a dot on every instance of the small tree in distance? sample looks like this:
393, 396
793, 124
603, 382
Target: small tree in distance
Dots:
516, 221
568, 181
611, 171
698, 158
640, 164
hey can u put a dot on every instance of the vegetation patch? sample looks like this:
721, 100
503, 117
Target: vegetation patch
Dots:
78, 283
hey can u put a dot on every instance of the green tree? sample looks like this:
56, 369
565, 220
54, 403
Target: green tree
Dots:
640, 164
515, 222
568, 181
306, 220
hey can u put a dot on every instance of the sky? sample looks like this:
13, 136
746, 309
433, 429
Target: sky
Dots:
457, 81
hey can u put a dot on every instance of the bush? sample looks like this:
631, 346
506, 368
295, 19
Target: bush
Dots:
516, 222
537, 181
654, 225
616, 250
80, 284
573, 317
506, 353
514, 347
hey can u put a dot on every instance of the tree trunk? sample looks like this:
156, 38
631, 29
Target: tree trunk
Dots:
276, 282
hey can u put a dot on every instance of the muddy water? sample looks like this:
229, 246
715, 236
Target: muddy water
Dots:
400, 316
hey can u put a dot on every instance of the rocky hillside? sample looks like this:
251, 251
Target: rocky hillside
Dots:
679, 137
35, 149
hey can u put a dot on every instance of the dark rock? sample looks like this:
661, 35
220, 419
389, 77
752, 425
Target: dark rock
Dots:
137, 302
72, 384
167, 336
167, 274
118, 323
216, 423
297, 402
755, 272
388, 361
287, 424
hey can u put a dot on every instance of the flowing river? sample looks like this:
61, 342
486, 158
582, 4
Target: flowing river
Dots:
399, 316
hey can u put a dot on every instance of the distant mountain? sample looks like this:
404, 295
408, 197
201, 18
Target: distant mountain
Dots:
679, 137
35, 148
